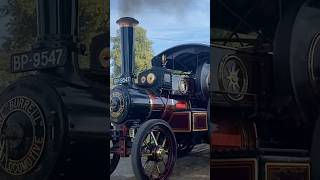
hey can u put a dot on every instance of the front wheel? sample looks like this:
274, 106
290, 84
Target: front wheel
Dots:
154, 151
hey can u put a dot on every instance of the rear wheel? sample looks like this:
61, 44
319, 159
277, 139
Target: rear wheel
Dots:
154, 151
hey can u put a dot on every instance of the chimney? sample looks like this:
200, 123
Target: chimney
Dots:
58, 26
127, 48
57, 22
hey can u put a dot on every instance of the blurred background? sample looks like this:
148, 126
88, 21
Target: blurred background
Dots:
18, 30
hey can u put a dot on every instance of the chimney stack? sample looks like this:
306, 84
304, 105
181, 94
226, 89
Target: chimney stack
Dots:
127, 48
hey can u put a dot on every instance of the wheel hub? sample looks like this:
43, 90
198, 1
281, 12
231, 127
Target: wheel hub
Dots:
17, 133
14, 134
160, 153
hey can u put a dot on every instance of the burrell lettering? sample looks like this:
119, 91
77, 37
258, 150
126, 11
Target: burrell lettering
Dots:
5, 110
35, 118
36, 115
26, 104
31, 109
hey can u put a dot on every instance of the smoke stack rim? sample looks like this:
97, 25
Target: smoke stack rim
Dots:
127, 22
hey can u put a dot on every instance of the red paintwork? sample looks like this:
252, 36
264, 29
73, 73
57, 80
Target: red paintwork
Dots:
226, 140
181, 105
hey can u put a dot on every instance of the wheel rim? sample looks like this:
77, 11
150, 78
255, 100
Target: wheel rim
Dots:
233, 77
157, 153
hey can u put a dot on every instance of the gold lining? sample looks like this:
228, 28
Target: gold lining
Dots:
194, 114
287, 166
181, 129
314, 42
252, 161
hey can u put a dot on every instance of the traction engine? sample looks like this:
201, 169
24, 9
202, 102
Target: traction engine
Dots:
161, 112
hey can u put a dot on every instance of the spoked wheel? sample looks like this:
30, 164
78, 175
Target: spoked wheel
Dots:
154, 151
114, 158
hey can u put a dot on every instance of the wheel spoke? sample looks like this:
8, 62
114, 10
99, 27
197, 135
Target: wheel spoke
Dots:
164, 142
154, 138
145, 143
146, 163
158, 135
152, 170
149, 139
164, 164
158, 169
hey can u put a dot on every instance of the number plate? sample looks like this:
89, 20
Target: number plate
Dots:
35, 60
122, 80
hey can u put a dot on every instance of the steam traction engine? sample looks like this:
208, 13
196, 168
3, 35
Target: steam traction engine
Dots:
265, 90
164, 112
53, 120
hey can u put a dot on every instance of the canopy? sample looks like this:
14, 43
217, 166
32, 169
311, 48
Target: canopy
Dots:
185, 57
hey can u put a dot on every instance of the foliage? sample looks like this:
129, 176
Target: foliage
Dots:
22, 25
22, 29
143, 51
6, 77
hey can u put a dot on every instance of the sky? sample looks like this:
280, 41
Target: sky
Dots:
168, 22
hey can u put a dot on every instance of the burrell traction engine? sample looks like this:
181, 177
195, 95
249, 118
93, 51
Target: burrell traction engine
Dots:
53, 120
265, 90
163, 113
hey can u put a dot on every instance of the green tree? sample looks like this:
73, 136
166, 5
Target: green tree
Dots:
22, 25
143, 51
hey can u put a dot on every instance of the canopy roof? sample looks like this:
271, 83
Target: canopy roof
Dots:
185, 57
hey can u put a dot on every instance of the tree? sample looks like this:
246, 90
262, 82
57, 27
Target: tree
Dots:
22, 24
21, 27
143, 51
